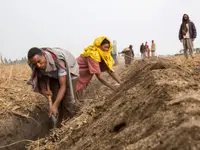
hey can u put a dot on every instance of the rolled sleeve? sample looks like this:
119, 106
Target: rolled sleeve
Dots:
61, 71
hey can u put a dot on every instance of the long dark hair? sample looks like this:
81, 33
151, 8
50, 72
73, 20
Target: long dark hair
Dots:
183, 20
183, 26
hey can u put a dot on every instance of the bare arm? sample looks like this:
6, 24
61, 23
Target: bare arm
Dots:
62, 90
104, 81
114, 76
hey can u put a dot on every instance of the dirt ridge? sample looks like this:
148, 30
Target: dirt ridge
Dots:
156, 108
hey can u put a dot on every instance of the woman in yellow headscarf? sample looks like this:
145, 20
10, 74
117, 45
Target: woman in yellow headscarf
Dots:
94, 60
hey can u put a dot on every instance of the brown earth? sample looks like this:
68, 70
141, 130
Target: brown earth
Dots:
156, 108
23, 114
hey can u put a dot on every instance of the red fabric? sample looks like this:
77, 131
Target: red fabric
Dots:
148, 50
87, 68
52, 54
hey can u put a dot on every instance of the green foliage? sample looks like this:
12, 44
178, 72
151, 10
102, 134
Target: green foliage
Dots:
17, 61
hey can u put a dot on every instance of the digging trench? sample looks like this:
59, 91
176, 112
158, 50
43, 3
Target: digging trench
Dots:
16, 130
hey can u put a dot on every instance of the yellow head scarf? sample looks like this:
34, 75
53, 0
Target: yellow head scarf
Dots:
97, 54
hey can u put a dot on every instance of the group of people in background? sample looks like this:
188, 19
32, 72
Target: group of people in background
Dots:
127, 52
146, 51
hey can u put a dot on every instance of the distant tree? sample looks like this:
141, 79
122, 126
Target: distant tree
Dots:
197, 50
16, 61
181, 51
10, 61
22, 60
5, 61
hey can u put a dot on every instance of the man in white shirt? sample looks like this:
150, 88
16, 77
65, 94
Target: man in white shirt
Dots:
153, 48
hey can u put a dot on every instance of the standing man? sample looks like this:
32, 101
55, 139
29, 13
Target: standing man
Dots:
147, 49
153, 48
187, 35
114, 52
143, 51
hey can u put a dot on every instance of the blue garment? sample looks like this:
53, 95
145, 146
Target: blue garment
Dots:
114, 56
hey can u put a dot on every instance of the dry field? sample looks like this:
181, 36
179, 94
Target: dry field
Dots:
22, 112
156, 108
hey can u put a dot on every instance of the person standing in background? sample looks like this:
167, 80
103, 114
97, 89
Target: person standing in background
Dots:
131, 48
128, 55
153, 48
143, 51
147, 49
114, 52
187, 35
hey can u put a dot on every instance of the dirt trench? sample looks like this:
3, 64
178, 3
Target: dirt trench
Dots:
23, 114
20, 130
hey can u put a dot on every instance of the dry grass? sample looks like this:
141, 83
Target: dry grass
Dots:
21, 109
16, 97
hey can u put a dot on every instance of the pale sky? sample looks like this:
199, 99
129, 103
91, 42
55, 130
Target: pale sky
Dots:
74, 24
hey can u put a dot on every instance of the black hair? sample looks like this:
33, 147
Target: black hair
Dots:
34, 51
105, 41
131, 47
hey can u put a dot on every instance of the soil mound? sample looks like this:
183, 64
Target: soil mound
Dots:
156, 108
23, 114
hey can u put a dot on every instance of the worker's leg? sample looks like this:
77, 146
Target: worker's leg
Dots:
143, 56
152, 53
190, 47
185, 48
